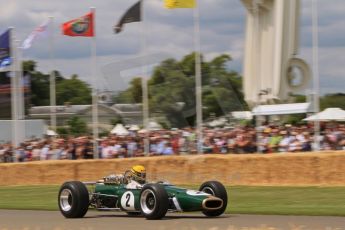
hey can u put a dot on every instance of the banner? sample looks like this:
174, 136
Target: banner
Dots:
133, 14
5, 55
82, 26
171, 4
40, 31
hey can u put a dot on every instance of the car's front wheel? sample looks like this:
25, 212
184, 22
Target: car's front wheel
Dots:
216, 189
154, 201
73, 199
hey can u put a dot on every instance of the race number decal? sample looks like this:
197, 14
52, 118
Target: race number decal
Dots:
127, 201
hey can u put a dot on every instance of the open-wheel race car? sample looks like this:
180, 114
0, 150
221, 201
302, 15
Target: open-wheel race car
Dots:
151, 200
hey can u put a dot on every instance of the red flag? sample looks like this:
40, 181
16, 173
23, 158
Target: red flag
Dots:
82, 26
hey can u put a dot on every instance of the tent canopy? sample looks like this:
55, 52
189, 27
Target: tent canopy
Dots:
120, 130
217, 122
282, 109
329, 114
134, 128
246, 115
51, 133
153, 126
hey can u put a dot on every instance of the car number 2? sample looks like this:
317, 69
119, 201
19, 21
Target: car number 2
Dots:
127, 201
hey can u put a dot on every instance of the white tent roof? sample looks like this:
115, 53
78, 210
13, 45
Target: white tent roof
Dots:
134, 128
50, 132
281, 109
246, 115
330, 114
217, 122
120, 130
154, 126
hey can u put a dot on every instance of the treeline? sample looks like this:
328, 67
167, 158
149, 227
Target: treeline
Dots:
171, 90
71, 90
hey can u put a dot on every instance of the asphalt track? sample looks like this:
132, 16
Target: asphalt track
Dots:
46, 220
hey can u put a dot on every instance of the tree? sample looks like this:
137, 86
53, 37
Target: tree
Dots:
333, 100
133, 94
172, 89
77, 126
173, 84
116, 120
39, 89
73, 91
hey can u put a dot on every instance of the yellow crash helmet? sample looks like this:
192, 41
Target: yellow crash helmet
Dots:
138, 173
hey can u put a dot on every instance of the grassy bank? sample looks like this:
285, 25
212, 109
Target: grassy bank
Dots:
242, 199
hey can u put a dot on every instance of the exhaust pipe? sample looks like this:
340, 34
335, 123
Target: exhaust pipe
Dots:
212, 203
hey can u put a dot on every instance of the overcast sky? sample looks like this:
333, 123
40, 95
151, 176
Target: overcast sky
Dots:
168, 33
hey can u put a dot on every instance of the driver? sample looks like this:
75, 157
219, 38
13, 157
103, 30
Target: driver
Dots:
133, 178
136, 177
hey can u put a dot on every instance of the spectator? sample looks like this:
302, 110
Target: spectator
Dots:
238, 139
285, 141
274, 141
2, 154
36, 152
132, 147
263, 142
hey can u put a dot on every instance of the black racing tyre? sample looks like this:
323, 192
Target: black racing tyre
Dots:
154, 201
216, 189
73, 199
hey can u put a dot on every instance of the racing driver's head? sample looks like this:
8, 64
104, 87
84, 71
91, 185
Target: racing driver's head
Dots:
138, 174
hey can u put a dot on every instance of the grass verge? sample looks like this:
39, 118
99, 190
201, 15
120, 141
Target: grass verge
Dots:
325, 201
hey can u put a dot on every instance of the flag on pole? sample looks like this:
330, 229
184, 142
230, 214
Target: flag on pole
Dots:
82, 26
171, 4
39, 32
5, 55
133, 14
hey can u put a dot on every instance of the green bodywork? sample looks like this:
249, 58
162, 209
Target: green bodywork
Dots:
188, 200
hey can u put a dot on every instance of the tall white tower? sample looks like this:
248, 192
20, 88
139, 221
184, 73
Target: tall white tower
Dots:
271, 69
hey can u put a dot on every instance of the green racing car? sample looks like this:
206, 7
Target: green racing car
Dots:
151, 200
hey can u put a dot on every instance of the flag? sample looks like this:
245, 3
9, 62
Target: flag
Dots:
83, 26
170, 4
40, 31
5, 55
133, 14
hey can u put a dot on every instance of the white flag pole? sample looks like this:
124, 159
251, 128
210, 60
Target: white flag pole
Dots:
20, 93
256, 66
52, 84
316, 74
144, 83
198, 80
94, 89
14, 101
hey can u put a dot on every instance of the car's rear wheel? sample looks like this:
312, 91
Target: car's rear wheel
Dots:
216, 189
154, 201
73, 199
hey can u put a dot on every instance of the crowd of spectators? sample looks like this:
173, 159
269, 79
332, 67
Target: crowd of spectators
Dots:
237, 140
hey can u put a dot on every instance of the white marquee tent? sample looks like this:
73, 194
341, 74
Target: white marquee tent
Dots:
51, 133
120, 130
153, 126
282, 109
134, 128
329, 114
